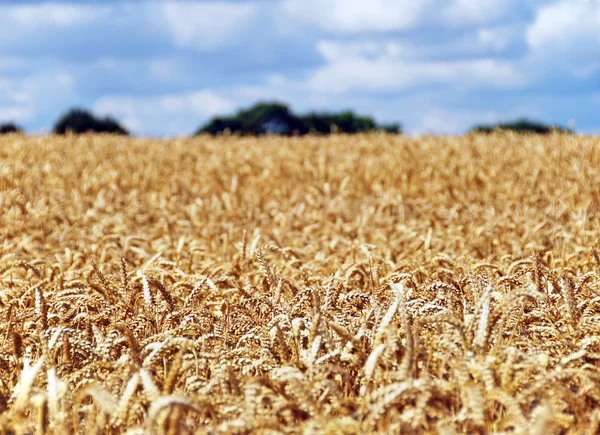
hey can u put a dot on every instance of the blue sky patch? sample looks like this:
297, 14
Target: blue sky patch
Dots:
164, 67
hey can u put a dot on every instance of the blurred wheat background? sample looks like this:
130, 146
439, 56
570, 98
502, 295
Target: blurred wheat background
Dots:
340, 285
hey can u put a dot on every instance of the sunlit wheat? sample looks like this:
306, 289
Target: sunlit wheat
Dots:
341, 284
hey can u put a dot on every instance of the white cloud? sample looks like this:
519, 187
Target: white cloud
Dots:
201, 103
357, 74
24, 98
16, 113
360, 16
57, 15
366, 67
470, 12
173, 69
171, 114
65, 80
278, 87
207, 25
165, 68
566, 25
356, 16
36, 87
481, 42
440, 120
564, 39
334, 51
495, 39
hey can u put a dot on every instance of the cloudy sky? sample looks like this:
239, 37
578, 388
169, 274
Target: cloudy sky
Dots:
164, 67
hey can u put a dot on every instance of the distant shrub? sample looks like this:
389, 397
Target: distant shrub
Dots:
262, 118
221, 125
271, 117
277, 118
343, 122
82, 121
394, 127
10, 127
520, 126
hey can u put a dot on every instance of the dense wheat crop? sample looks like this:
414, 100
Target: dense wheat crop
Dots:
349, 284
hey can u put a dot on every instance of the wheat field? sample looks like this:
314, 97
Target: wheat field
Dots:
338, 285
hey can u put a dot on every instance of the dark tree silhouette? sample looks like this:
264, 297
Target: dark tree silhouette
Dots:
344, 122
394, 127
82, 121
520, 126
273, 118
222, 125
262, 118
10, 127
277, 118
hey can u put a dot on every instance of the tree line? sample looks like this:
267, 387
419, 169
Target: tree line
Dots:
272, 118
76, 121
277, 118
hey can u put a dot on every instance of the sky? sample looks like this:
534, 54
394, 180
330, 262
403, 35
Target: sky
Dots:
163, 68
